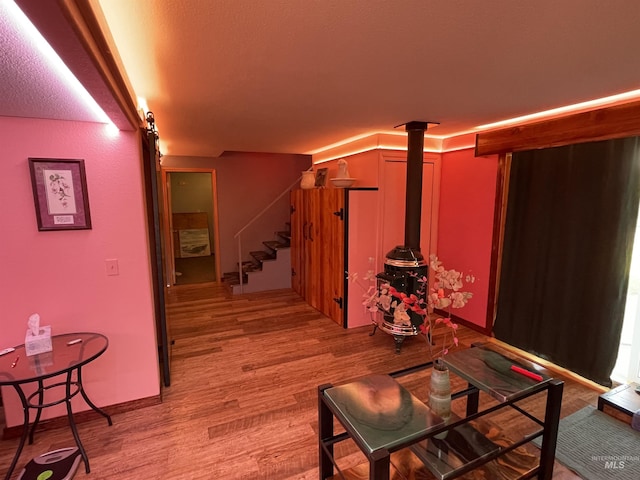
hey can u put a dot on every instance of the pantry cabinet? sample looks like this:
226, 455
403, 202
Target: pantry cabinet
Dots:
330, 234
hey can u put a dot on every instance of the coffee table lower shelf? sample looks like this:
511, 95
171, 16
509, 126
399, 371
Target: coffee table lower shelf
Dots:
407, 463
465, 448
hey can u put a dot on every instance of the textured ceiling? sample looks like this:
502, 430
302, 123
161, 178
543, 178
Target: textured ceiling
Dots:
28, 85
293, 76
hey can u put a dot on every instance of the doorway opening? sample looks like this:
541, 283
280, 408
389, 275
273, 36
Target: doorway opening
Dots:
627, 368
193, 226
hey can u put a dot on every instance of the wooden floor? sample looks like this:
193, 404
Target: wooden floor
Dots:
195, 270
242, 403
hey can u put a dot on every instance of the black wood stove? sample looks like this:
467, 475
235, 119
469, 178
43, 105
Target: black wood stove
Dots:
405, 263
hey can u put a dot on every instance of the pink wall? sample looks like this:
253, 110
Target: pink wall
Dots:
362, 166
362, 252
247, 183
61, 275
465, 225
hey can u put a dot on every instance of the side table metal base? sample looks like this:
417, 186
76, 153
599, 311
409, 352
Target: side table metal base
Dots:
70, 352
27, 405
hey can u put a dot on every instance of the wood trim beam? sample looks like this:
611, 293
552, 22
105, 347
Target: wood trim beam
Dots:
497, 242
617, 121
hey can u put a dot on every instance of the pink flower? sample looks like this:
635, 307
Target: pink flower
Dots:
444, 294
400, 315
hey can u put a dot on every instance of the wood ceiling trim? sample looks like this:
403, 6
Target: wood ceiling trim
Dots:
86, 23
617, 121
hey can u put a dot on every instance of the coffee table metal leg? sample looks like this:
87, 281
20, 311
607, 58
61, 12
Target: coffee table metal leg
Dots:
550, 434
379, 464
325, 431
473, 399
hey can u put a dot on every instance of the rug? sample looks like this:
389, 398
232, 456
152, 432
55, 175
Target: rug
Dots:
597, 446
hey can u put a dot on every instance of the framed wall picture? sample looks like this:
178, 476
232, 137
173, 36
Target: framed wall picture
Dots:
194, 242
60, 194
321, 177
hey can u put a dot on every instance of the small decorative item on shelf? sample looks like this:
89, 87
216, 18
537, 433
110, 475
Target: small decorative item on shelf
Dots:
444, 295
343, 180
321, 177
343, 169
308, 180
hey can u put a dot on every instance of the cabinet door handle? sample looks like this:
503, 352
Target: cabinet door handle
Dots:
310, 227
304, 230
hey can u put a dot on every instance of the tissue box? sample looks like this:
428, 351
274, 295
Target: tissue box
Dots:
41, 343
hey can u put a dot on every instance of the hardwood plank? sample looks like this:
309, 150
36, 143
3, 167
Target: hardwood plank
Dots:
242, 404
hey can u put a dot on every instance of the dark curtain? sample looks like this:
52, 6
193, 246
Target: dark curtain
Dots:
569, 231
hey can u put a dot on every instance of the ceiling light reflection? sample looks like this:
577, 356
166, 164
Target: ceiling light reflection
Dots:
17, 17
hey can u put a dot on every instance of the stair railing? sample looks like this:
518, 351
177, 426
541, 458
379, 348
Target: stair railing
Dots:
238, 235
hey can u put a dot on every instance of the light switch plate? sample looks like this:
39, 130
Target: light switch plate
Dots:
112, 266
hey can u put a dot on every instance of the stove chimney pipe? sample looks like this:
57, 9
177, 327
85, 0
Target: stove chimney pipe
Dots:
413, 205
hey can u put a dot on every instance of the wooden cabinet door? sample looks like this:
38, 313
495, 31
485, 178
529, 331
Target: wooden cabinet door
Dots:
332, 252
313, 248
297, 242
317, 249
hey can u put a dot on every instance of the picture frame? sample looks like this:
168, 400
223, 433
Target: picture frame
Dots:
60, 194
321, 177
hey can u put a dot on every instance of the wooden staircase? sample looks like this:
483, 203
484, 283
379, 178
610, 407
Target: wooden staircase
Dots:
268, 269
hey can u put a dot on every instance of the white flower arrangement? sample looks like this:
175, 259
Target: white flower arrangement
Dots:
444, 295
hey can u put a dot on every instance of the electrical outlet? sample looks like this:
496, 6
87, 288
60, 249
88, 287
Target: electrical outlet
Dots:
112, 266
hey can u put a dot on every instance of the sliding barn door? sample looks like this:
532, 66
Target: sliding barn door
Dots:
154, 202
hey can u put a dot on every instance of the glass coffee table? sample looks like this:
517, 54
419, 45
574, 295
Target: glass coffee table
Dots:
381, 416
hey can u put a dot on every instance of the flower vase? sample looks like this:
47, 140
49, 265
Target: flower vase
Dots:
440, 391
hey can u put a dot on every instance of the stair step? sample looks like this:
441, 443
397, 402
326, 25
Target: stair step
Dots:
275, 245
286, 236
261, 255
233, 278
251, 266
